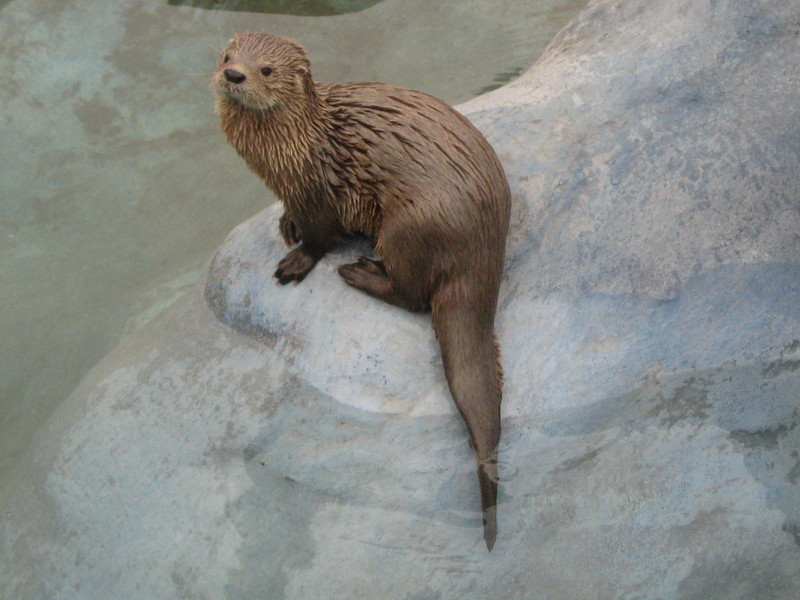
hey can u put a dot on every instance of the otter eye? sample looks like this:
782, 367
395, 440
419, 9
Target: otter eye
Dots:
226, 58
266, 71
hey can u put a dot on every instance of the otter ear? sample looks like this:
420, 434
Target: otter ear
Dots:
303, 78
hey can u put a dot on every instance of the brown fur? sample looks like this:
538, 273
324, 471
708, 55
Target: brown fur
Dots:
402, 168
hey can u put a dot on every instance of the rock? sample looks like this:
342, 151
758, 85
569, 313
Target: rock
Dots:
299, 7
650, 324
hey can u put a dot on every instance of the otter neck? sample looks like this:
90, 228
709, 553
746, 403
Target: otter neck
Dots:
278, 143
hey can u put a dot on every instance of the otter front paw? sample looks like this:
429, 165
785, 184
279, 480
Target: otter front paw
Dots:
289, 231
296, 265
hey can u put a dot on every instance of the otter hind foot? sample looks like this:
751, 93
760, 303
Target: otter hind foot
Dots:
296, 265
370, 276
367, 275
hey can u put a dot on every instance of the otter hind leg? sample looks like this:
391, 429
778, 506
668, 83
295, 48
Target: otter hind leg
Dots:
370, 276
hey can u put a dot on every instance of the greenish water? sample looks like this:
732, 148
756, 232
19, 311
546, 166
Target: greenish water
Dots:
115, 185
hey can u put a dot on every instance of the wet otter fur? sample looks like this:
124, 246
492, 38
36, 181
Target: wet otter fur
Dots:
402, 168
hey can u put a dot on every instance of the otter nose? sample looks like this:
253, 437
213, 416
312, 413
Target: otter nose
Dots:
234, 76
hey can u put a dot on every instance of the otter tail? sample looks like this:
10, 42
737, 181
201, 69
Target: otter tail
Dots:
464, 326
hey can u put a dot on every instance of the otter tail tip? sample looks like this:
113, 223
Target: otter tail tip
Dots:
490, 527
487, 477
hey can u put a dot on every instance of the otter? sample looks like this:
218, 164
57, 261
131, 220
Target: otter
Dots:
403, 169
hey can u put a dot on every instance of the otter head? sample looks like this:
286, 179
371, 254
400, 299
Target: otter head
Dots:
262, 71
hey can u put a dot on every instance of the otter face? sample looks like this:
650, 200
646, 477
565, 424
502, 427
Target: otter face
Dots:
262, 71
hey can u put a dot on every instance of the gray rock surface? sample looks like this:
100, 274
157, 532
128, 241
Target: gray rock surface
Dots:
307, 447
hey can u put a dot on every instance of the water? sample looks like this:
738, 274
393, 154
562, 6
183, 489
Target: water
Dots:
116, 187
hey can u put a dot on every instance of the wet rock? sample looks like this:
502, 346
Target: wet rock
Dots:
306, 446
298, 7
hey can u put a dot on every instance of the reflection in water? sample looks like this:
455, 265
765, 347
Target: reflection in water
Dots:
310, 8
502, 78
